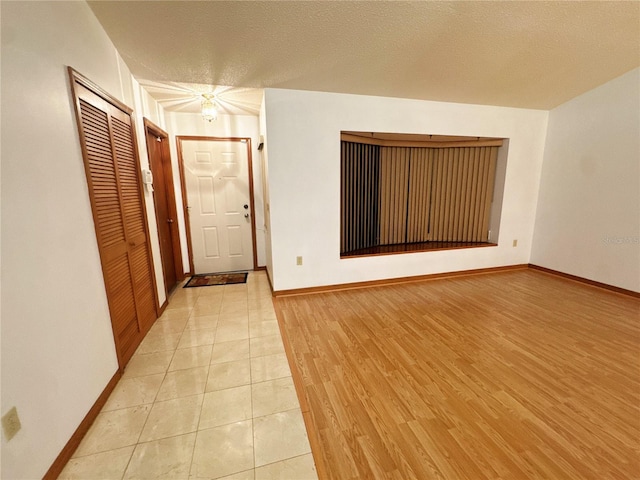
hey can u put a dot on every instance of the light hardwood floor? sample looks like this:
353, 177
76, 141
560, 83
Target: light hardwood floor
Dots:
514, 375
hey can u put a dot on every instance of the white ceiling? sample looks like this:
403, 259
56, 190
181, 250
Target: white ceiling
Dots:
521, 54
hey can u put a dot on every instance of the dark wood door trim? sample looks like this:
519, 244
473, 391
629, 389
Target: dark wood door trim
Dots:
172, 209
183, 186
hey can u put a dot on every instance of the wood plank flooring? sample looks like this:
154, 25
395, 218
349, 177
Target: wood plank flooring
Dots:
514, 375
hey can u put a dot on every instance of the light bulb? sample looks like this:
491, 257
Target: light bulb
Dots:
209, 110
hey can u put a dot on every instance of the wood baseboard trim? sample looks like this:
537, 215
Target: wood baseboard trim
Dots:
163, 307
270, 282
68, 450
259, 269
585, 281
393, 281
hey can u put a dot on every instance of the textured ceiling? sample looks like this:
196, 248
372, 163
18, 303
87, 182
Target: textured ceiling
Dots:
520, 54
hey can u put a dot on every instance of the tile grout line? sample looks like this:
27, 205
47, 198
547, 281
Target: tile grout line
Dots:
172, 357
195, 441
283, 460
253, 438
251, 292
253, 416
156, 395
161, 383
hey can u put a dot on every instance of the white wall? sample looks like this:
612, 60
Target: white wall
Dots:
57, 343
588, 217
304, 182
145, 106
265, 187
192, 124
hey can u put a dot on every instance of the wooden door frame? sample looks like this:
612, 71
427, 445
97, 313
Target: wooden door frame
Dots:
151, 127
183, 185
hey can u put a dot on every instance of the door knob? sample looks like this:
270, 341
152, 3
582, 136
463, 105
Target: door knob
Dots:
246, 215
246, 206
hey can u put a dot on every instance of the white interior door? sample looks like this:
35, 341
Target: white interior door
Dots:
218, 205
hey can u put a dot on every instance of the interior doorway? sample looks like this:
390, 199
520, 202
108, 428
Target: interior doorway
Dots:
217, 190
165, 204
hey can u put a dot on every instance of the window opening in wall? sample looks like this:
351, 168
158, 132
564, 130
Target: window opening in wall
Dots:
407, 193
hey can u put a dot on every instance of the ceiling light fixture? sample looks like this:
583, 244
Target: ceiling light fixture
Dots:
209, 110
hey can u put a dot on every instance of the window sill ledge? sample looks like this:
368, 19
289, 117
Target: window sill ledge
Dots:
413, 248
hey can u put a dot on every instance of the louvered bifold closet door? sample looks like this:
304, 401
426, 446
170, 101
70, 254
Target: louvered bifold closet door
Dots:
116, 198
134, 217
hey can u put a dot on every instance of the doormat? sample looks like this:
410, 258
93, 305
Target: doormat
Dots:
207, 279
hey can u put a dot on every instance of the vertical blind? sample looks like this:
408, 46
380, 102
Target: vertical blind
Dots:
397, 195
360, 173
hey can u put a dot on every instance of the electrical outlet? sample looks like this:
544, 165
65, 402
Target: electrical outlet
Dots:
298, 260
515, 243
11, 423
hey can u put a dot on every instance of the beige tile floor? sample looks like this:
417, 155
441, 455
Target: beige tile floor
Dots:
208, 394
